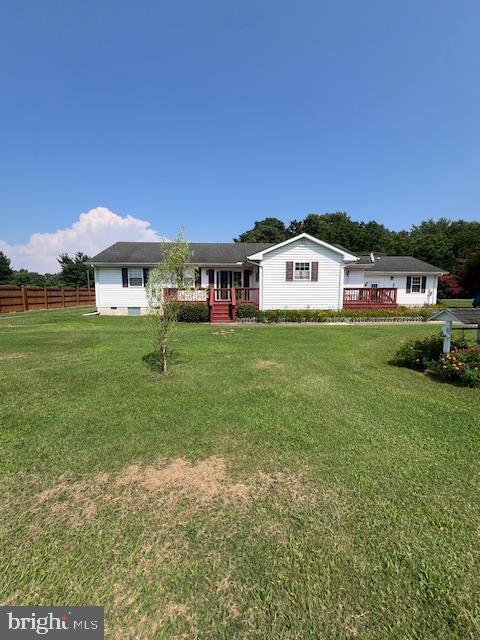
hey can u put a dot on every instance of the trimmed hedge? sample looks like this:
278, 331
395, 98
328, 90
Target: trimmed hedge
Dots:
324, 315
246, 311
192, 312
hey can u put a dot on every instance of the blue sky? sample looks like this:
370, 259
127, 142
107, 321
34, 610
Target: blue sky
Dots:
213, 114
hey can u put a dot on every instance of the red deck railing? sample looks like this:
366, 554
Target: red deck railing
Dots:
233, 295
369, 297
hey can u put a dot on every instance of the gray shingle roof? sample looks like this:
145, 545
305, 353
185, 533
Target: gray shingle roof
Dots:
201, 252
399, 264
149, 253
465, 316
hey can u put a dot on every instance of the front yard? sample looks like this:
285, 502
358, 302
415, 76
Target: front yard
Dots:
282, 482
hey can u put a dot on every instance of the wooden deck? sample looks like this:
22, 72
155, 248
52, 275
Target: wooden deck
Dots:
369, 298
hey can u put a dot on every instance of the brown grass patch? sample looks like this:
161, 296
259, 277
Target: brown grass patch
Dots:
6, 357
175, 489
268, 364
200, 482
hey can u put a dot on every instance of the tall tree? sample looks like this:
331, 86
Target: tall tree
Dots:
267, 230
24, 277
5, 270
74, 271
471, 273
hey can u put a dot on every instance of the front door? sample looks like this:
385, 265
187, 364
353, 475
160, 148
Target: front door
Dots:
224, 282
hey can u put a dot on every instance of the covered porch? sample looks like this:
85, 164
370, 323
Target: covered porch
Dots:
222, 301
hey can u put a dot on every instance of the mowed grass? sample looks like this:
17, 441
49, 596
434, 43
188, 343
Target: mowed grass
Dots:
457, 302
281, 482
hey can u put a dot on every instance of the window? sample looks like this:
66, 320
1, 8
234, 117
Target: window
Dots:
237, 278
416, 284
302, 271
134, 311
135, 277
374, 285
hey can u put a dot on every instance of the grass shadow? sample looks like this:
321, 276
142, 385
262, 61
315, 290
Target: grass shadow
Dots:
152, 360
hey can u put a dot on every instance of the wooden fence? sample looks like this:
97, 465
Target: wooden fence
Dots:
29, 298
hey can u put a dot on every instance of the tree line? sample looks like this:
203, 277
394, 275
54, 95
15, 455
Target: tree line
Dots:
73, 273
452, 245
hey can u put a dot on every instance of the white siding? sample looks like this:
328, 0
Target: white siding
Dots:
354, 277
109, 291
400, 282
277, 293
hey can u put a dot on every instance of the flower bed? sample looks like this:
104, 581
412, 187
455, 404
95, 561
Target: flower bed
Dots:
461, 366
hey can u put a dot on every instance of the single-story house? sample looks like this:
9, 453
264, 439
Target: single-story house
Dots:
300, 273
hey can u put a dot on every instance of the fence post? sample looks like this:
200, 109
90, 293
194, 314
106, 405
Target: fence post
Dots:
46, 297
63, 297
78, 297
24, 299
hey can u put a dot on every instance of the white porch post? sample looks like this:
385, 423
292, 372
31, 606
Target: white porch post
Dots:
447, 336
260, 287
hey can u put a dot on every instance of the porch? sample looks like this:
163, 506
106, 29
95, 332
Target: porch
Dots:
222, 301
369, 298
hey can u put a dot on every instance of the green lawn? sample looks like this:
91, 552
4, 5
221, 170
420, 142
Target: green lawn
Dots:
281, 482
458, 302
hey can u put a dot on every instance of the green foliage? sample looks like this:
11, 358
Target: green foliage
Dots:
246, 310
192, 312
23, 277
5, 270
267, 230
74, 271
461, 366
416, 354
325, 315
471, 274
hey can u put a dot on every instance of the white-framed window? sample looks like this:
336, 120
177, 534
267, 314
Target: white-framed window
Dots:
135, 277
301, 271
416, 284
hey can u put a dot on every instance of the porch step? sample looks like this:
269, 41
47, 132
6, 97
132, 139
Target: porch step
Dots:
220, 312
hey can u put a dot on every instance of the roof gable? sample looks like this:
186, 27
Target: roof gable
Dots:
465, 316
335, 248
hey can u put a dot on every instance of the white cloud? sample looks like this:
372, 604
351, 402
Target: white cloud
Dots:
91, 233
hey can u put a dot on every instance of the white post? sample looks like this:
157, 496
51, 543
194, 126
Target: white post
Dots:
447, 336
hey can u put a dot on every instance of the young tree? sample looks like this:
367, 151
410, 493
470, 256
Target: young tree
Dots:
172, 272
5, 270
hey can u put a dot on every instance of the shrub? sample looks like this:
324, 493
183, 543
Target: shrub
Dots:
246, 311
461, 366
192, 312
325, 315
416, 354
